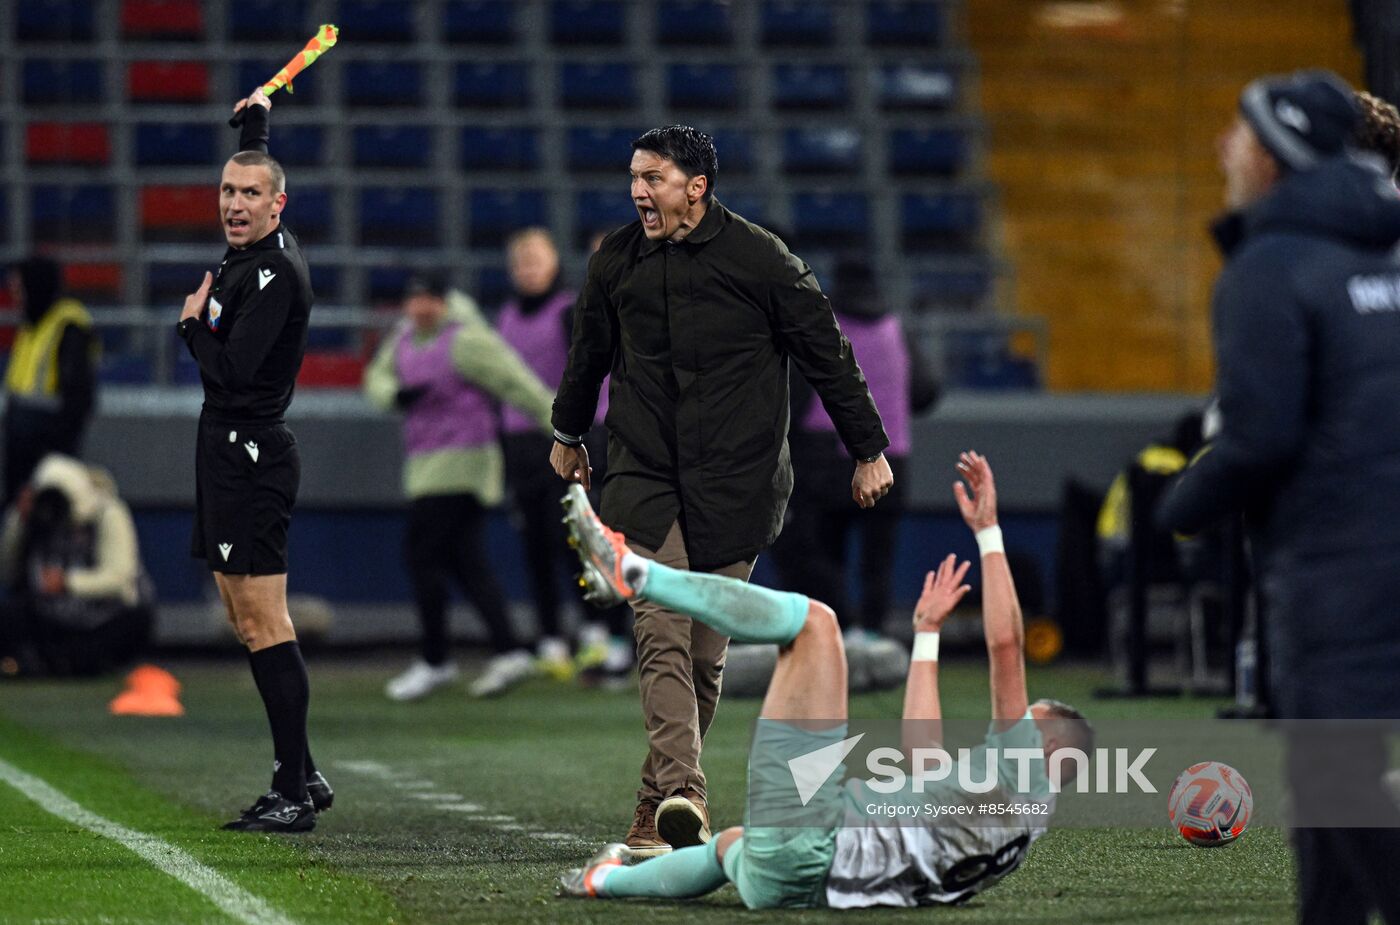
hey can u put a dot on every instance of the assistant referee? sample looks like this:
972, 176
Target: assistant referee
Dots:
246, 328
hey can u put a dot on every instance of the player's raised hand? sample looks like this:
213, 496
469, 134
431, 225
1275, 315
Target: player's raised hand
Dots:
195, 301
943, 590
977, 500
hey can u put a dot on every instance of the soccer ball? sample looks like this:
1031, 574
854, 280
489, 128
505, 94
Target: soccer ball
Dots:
1210, 804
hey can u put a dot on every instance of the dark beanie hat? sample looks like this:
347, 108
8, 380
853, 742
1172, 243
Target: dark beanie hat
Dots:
1301, 118
426, 282
42, 280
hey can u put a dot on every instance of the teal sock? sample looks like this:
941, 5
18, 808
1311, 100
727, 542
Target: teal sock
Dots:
741, 611
683, 873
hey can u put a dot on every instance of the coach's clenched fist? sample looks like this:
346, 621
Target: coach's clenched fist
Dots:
872, 481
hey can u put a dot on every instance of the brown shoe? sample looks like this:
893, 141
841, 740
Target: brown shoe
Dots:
642, 839
683, 820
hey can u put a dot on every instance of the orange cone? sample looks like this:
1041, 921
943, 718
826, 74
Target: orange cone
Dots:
150, 691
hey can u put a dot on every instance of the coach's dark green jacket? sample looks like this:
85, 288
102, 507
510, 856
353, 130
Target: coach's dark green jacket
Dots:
697, 336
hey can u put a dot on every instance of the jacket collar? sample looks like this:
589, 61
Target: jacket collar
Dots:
709, 226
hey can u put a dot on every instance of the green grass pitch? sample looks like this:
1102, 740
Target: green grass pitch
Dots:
536, 779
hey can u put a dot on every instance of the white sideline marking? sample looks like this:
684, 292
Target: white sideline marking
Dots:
237, 902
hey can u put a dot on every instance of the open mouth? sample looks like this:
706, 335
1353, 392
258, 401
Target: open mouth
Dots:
236, 225
650, 217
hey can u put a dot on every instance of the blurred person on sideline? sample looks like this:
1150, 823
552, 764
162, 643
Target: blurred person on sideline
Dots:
443, 368
51, 379
536, 322
1306, 317
79, 601
1379, 130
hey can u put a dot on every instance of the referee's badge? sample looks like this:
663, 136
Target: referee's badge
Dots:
215, 310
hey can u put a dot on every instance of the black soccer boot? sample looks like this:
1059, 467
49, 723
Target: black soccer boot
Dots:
318, 789
273, 813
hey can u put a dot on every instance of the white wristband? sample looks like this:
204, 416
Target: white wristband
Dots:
989, 541
925, 648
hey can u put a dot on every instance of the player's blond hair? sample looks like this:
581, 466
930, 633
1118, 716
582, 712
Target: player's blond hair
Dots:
259, 159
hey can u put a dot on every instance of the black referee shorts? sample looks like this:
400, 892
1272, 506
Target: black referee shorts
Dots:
246, 480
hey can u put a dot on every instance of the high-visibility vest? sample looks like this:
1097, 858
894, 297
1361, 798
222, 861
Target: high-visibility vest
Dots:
33, 371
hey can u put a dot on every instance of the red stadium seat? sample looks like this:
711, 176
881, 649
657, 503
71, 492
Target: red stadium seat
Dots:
168, 81
169, 213
162, 19
67, 143
93, 282
331, 371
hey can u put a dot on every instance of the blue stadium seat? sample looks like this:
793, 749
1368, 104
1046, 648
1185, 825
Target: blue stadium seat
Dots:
375, 21
398, 216
802, 86
55, 20
984, 360
329, 338
752, 206
597, 86
62, 82
821, 150
830, 218
508, 148
479, 22
392, 146
934, 221
269, 21
958, 284
386, 284
311, 213
907, 23
496, 213
587, 22
124, 369
169, 283
601, 210
735, 151
382, 83
254, 72
168, 144
693, 22
941, 151
702, 86
326, 281
491, 84
918, 87
607, 149
797, 23
304, 147
493, 286
77, 214
4, 217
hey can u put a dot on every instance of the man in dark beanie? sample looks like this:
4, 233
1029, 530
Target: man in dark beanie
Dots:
51, 379
1307, 338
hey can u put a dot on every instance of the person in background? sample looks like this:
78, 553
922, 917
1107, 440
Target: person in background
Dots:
537, 321
443, 368
1379, 130
814, 552
51, 380
80, 602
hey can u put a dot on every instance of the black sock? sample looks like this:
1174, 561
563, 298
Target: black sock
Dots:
280, 674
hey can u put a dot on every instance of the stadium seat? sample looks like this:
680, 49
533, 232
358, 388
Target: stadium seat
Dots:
597, 86
587, 22
62, 82
4, 217
167, 82
939, 151
702, 86
932, 221
398, 216
608, 149
55, 20
310, 213
169, 283
803, 86
94, 283
785, 23
254, 72
269, 21
327, 280
821, 150
495, 213
386, 284
507, 148
735, 151
329, 369
493, 286
170, 144
375, 20
392, 146
917, 87
83, 214
752, 206
79, 143
479, 22
124, 369
830, 218
907, 23
693, 22
491, 84
382, 83
957, 284
178, 213
304, 147
162, 19
983, 360
601, 210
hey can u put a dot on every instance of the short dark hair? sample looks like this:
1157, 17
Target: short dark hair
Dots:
259, 159
691, 149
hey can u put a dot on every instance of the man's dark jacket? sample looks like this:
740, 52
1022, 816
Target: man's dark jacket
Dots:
697, 336
1307, 337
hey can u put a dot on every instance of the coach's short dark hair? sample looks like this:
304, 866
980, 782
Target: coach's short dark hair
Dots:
691, 149
259, 159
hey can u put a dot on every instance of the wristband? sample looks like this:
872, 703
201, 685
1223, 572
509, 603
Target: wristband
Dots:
925, 648
568, 439
989, 541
